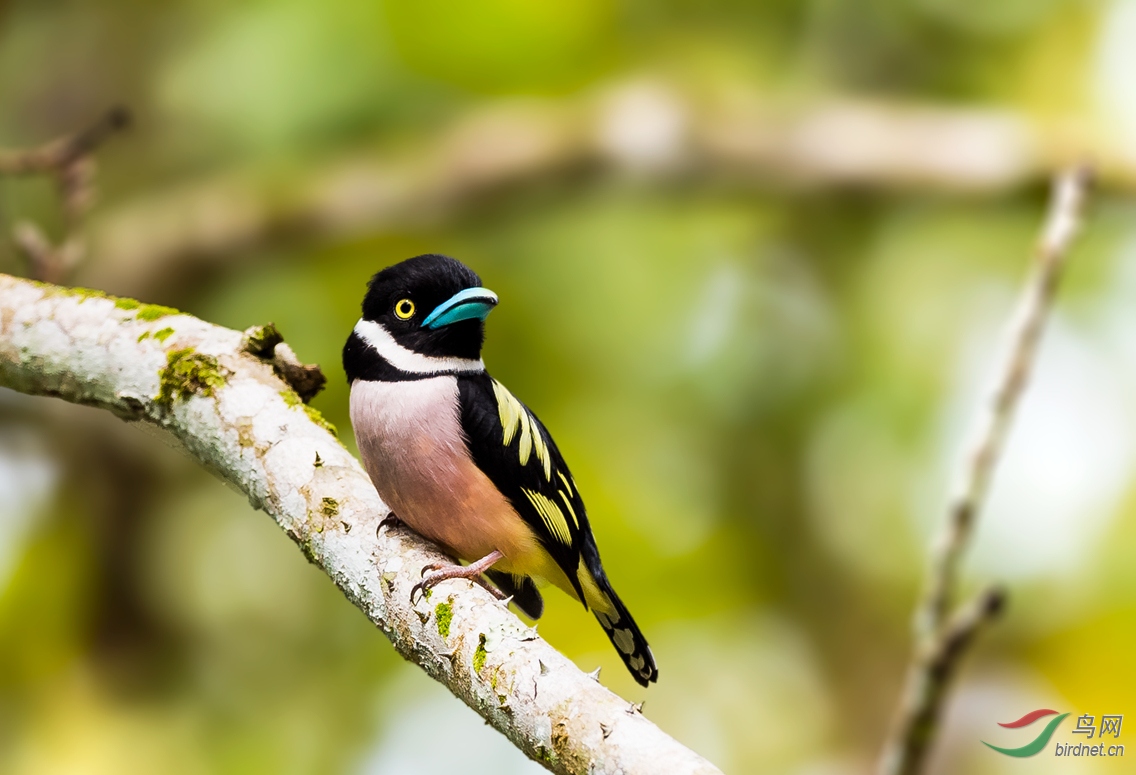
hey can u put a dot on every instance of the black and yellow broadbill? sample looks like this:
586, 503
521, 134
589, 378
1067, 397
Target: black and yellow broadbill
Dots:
461, 460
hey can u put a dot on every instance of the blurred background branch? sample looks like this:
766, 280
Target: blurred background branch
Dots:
56, 156
70, 163
942, 634
648, 130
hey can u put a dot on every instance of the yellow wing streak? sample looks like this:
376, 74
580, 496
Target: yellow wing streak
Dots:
551, 514
515, 417
525, 448
571, 510
510, 411
541, 451
567, 486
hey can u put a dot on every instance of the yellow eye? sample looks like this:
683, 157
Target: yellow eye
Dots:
404, 310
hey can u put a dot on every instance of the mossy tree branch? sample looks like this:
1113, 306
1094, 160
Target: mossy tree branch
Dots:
232, 412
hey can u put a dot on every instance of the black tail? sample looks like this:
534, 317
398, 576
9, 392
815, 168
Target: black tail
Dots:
626, 636
522, 588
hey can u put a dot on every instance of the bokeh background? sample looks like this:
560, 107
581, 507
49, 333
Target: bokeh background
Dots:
754, 261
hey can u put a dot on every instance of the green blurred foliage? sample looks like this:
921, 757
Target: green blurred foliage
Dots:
761, 391
500, 46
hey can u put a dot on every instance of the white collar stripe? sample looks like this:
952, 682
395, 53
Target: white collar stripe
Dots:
404, 359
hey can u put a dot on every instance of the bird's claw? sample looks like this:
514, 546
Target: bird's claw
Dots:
431, 574
390, 520
437, 572
434, 567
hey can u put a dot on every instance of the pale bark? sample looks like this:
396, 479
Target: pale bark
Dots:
232, 413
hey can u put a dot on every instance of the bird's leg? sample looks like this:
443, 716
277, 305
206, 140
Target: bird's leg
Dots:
437, 572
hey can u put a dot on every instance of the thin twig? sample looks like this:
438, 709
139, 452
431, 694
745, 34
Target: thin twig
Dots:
47, 263
942, 637
60, 153
68, 160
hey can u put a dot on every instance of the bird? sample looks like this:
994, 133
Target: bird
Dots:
461, 461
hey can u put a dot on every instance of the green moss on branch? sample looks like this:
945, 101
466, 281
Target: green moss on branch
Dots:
189, 373
443, 616
154, 311
480, 654
292, 399
261, 341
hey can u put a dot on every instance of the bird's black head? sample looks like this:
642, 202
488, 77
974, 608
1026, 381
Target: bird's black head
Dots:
431, 306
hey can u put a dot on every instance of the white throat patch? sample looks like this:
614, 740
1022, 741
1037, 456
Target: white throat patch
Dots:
407, 360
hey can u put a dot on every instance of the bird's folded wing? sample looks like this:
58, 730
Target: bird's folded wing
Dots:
511, 446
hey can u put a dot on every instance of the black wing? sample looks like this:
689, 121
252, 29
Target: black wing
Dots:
514, 450
511, 446
522, 589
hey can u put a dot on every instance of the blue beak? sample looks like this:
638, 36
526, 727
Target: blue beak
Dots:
470, 304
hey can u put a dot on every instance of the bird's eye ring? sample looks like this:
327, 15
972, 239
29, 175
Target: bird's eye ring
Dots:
404, 310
